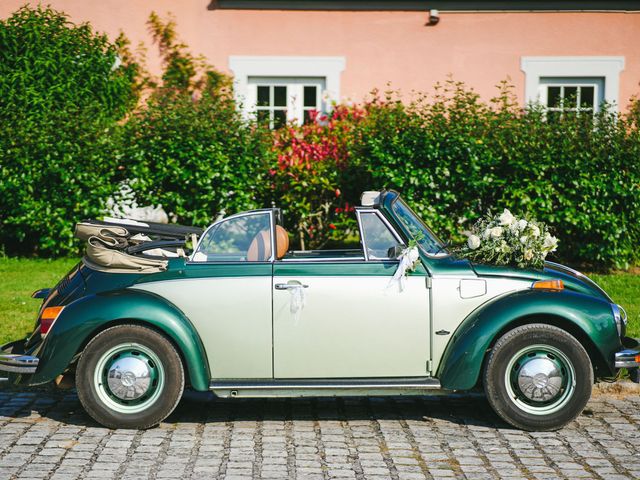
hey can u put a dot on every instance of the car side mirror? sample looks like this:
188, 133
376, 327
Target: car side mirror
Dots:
395, 251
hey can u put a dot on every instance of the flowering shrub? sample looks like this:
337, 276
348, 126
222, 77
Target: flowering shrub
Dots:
311, 167
508, 240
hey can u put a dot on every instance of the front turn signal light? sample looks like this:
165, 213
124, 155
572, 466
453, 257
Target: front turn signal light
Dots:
555, 285
47, 318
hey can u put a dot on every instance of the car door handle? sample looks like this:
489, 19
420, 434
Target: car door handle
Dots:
289, 286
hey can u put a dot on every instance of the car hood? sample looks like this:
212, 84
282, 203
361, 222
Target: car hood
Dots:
572, 279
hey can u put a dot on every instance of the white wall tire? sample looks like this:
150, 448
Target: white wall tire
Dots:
129, 376
538, 377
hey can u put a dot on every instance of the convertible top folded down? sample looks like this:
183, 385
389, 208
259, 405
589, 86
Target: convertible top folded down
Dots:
126, 246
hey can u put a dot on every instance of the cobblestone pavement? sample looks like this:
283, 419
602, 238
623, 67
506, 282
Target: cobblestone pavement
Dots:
47, 435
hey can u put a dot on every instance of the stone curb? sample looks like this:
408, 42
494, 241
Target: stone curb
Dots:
623, 387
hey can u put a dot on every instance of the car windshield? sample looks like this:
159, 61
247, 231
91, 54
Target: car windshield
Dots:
426, 239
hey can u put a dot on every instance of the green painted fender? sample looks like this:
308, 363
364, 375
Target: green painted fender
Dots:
80, 319
463, 358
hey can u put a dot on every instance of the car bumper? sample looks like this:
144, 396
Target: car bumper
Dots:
13, 361
629, 358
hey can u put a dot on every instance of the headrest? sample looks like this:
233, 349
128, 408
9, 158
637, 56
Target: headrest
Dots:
260, 246
282, 242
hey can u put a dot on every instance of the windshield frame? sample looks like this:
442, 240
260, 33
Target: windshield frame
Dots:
417, 221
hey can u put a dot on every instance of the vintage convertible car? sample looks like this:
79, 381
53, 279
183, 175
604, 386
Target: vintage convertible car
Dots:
141, 318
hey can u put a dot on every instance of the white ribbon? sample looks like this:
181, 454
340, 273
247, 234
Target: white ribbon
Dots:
298, 301
408, 258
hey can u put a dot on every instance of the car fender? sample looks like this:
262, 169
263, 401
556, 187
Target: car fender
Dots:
82, 319
463, 357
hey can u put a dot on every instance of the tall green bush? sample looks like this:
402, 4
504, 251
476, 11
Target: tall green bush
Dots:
188, 147
62, 87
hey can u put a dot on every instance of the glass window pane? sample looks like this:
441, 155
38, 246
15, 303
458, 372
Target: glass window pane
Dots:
553, 97
246, 239
279, 118
570, 97
263, 96
280, 96
426, 239
587, 97
310, 96
377, 237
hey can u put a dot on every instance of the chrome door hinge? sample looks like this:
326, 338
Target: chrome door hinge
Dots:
428, 280
429, 366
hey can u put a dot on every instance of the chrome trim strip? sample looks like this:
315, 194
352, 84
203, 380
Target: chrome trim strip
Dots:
417, 383
17, 363
626, 358
324, 259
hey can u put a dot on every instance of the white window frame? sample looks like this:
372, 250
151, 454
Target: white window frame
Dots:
245, 67
295, 95
598, 95
607, 68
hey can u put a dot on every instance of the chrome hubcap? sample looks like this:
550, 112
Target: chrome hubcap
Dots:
129, 378
540, 379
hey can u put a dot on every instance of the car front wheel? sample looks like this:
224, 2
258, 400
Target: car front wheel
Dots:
538, 377
129, 376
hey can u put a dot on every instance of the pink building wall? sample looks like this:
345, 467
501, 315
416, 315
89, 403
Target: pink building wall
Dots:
380, 47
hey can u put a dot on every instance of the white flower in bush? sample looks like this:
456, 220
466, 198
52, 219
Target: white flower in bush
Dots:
550, 243
505, 239
506, 218
496, 232
473, 242
535, 231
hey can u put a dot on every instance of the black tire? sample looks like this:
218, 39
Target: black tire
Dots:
141, 344
548, 345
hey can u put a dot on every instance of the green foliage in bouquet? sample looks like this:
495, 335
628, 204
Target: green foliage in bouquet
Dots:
505, 239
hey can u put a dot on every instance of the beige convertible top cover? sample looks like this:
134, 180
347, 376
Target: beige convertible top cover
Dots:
104, 251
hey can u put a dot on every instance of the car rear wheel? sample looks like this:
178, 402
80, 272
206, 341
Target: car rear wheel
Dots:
538, 377
129, 376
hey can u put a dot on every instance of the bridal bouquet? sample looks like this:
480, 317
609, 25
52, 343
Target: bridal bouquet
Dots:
505, 239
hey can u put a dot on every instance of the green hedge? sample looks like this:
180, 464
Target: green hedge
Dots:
455, 157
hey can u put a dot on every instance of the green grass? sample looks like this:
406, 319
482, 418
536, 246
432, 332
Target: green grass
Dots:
624, 288
20, 277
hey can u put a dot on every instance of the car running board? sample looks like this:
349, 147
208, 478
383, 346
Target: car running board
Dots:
324, 388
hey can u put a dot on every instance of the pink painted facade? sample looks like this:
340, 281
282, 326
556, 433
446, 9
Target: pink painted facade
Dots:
376, 48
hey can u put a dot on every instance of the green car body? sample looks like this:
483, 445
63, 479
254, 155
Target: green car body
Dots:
238, 336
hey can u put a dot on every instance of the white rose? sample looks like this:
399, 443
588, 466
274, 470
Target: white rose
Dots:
528, 254
535, 231
496, 232
513, 228
522, 224
506, 218
486, 234
523, 239
473, 242
550, 243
